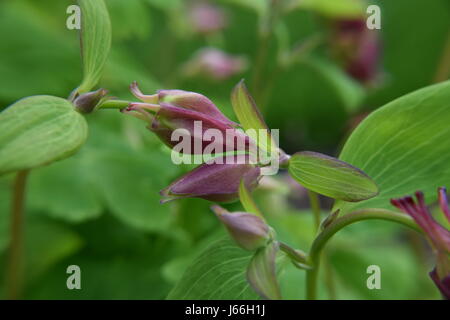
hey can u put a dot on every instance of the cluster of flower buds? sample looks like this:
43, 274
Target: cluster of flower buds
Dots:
190, 115
437, 235
357, 48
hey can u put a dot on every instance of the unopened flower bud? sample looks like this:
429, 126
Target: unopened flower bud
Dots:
206, 18
188, 115
248, 230
357, 48
86, 102
214, 64
214, 181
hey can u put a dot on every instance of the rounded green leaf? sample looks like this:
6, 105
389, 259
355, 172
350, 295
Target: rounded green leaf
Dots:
38, 130
404, 146
95, 41
331, 177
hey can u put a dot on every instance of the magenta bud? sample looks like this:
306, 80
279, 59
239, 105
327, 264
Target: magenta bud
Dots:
184, 100
86, 102
193, 127
357, 48
214, 64
248, 230
214, 182
193, 101
207, 18
177, 116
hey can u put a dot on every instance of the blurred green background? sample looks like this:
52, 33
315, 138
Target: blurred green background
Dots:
100, 209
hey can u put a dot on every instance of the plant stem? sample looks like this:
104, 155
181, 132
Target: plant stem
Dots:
114, 104
267, 23
315, 206
297, 255
338, 224
15, 264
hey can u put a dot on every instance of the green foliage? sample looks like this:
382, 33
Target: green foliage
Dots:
343, 8
95, 41
349, 92
403, 146
64, 191
218, 273
331, 177
247, 201
37, 131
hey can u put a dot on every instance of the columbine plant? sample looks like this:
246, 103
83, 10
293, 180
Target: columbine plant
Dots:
39, 130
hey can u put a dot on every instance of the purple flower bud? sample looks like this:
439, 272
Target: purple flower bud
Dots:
214, 64
214, 182
86, 102
171, 110
207, 18
438, 236
249, 231
357, 48
182, 99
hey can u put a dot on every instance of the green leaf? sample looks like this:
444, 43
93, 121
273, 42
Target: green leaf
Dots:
333, 8
260, 7
218, 273
404, 146
47, 243
247, 201
349, 91
95, 41
250, 117
331, 177
129, 182
64, 191
38, 130
261, 272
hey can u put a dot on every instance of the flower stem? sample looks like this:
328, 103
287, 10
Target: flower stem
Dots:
267, 23
338, 224
315, 207
114, 104
15, 263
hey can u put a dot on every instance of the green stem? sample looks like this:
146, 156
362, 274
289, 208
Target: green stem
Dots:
266, 27
295, 254
114, 104
338, 224
315, 206
15, 264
